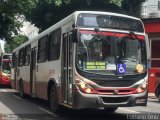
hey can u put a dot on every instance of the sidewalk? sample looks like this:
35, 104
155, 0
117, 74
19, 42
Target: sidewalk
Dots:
152, 95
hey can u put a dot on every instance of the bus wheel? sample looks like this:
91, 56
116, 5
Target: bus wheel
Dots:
21, 90
53, 99
110, 109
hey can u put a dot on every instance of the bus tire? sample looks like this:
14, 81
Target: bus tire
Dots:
110, 109
53, 99
21, 90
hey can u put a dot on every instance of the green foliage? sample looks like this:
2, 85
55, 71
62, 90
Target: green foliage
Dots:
45, 13
117, 2
10, 15
132, 7
15, 42
48, 12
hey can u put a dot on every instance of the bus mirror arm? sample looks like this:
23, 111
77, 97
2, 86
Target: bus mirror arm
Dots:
74, 36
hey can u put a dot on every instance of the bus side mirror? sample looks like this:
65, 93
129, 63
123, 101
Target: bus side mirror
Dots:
74, 36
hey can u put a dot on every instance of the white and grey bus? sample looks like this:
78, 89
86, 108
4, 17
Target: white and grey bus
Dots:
89, 59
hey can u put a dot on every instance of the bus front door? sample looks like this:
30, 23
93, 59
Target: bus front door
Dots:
67, 71
33, 72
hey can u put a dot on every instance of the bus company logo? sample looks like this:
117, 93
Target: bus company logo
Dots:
116, 91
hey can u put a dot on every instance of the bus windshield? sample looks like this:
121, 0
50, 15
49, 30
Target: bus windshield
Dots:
113, 54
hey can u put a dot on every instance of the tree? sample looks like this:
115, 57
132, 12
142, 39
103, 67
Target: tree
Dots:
44, 13
17, 41
48, 12
11, 12
132, 7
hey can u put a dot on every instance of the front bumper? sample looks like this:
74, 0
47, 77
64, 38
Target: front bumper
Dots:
82, 100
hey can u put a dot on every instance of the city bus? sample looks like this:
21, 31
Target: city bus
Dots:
90, 59
5, 68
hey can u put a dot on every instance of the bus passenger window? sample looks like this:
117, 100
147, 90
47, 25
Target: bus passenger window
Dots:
54, 45
42, 49
27, 55
21, 58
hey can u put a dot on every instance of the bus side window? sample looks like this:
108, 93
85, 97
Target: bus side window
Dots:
54, 45
0, 60
42, 49
13, 60
27, 55
21, 57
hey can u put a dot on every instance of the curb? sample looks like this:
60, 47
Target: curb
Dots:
152, 96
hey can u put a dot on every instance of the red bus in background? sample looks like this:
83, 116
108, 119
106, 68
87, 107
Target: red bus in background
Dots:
5, 69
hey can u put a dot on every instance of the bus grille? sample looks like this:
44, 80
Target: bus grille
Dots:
120, 91
115, 99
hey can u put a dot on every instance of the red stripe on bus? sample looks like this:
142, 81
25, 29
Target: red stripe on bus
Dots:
121, 91
141, 37
7, 60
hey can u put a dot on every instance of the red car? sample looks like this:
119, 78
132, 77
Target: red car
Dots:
4, 79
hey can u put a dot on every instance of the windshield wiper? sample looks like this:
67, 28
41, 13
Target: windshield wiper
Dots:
132, 33
102, 35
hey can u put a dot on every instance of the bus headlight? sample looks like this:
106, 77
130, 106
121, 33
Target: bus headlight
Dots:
144, 86
139, 68
84, 87
141, 88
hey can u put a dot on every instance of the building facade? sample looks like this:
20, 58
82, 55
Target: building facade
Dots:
151, 19
151, 9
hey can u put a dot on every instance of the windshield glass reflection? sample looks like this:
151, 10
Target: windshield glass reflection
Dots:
104, 55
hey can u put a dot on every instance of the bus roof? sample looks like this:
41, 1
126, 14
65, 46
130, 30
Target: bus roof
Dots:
68, 19
106, 13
